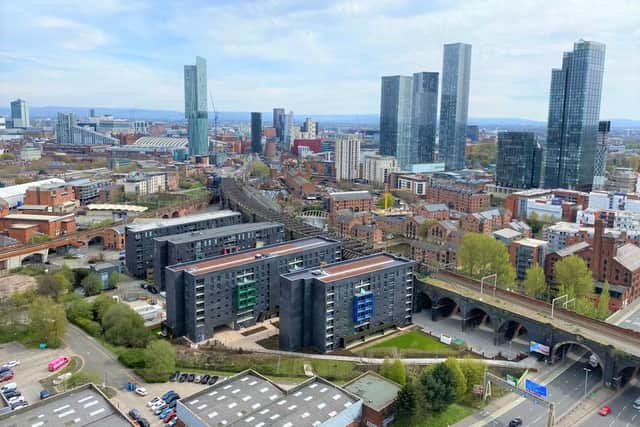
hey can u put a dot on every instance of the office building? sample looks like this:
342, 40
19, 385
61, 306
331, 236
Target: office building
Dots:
376, 168
88, 190
139, 237
197, 245
395, 118
69, 133
249, 399
309, 128
519, 160
239, 289
195, 106
20, 113
279, 122
64, 128
526, 253
347, 157
256, 132
424, 117
329, 307
574, 112
600, 160
454, 104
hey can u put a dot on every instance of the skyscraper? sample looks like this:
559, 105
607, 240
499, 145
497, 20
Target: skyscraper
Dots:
600, 160
64, 128
519, 160
278, 122
195, 106
424, 117
395, 118
256, 132
347, 157
574, 111
454, 104
20, 113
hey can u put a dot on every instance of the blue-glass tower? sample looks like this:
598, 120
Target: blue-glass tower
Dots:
195, 106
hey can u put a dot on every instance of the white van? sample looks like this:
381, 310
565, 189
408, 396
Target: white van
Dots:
8, 387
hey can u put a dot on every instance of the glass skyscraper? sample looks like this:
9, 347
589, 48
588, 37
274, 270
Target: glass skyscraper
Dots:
278, 122
424, 117
574, 112
20, 113
395, 118
519, 160
256, 132
454, 104
195, 106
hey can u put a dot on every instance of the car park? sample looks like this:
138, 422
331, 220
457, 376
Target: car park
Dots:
141, 391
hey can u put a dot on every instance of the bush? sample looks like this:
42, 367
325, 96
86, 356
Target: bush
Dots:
151, 376
77, 308
89, 326
132, 357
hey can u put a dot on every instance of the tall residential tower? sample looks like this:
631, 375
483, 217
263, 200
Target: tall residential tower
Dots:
454, 104
424, 117
395, 118
574, 112
519, 160
347, 157
256, 132
195, 106
20, 113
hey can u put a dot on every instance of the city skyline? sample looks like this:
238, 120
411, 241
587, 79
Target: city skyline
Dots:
292, 56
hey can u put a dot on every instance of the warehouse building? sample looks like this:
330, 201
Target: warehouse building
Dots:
139, 237
249, 399
239, 289
330, 307
197, 245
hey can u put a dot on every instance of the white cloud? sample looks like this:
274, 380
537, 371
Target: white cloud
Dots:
72, 35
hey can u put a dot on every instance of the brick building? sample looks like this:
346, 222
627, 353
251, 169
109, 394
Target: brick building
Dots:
113, 238
23, 227
356, 201
462, 199
526, 253
438, 211
379, 397
299, 185
486, 222
434, 254
392, 224
49, 199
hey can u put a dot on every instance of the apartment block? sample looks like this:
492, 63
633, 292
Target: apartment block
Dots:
458, 198
139, 237
329, 307
198, 245
526, 253
237, 290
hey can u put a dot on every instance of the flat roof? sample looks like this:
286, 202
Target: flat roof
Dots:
217, 232
376, 391
30, 217
15, 190
223, 262
507, 233
115, 207
249, 399
181, 220
351, 268
23, 226
528, 241
82, 406
351, 195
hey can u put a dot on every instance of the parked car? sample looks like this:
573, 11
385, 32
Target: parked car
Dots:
7, 387
197, 379
191, 377
168, 394
6, 376
135, 414
16, 399
175, 376
11, 393
19, 405
183, 378
4, 370
158, 404
166, 412
636, 403
205, 379
143, 422
173, 398
605, 410
144, 285
172, 422
141, 391
44, 394
160, 408
213, 380
11, 364
169, 417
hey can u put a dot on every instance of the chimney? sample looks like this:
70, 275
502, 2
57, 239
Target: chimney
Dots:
596, 261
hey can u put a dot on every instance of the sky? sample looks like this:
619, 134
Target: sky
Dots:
323, 57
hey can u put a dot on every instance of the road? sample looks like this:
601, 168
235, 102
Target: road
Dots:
564, 391
97, 359
623, 414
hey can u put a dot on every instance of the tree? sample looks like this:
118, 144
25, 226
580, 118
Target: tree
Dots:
123, 326
573, 277
534, 283
460, 380
51, 285
47, 321
160, 357
394, 370
92, 284
603, 303
585, 307
386, 201
407, 400
438, 386
259, 169
114, 279
481, 255
473, 371
100, 306
385, 368
77, 308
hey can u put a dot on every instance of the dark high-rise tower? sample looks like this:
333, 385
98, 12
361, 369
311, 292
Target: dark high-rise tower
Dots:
278, 122
395, 118
454, 104
574, 112
519, 160
256, 132
195, 106
424, 117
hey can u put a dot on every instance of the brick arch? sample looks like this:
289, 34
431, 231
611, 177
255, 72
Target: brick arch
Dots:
476, 316
560, 344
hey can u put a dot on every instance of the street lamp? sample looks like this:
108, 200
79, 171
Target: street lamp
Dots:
553, 302
493, 276
586, 379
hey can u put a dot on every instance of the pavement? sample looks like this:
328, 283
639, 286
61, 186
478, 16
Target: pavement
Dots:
629, 317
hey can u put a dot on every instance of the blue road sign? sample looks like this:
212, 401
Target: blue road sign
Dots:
535, 388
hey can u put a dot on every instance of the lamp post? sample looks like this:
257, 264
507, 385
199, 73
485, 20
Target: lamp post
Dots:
493, 276
553, 302
586, 379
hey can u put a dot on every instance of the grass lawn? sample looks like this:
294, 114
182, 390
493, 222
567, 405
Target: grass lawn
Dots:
450, 416
408, 343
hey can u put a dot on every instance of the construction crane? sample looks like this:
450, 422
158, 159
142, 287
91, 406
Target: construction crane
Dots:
215, 118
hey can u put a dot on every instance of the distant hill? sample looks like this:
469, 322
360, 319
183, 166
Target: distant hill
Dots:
368, 120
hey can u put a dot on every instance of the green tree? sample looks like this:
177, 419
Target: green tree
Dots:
160, 358
123, 326
573, 277
92, 284
535, 223
585, 307
385, 368
100, 306
114, 279
386, 201
473, 371
534, 283
438, 386
407, 402
51, 285
77, 308
259, 169
394, 370
47, 321
480, 255
603, 303
460, 380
